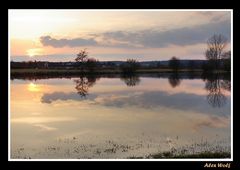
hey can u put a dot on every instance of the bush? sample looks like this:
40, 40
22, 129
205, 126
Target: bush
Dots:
91, 64
130, 66
174, 63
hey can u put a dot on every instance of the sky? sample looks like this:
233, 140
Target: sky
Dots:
114, 35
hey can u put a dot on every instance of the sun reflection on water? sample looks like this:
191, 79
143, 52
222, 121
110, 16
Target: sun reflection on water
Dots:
33, 87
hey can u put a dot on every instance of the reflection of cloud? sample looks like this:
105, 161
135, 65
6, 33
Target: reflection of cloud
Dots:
50, 97
156, 99
45, 127
147, 100
213, 121
39, 120
36, 113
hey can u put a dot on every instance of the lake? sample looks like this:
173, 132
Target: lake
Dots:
119, 116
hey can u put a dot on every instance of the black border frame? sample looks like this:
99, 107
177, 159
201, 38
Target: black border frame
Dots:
120, 164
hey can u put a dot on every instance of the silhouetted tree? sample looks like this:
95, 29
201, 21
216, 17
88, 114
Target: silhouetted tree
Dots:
174, 63
226, 57
130, 66
216, 45
91, 64
191, 65
82, 57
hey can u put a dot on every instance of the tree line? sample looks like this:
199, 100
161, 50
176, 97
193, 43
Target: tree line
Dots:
217, 58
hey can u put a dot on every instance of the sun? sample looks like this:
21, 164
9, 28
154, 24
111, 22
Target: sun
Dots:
34, 52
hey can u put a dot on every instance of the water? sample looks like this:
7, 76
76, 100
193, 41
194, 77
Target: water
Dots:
118, 116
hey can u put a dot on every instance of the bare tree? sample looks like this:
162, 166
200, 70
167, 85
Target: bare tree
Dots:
216, 45
82, 57
130, 66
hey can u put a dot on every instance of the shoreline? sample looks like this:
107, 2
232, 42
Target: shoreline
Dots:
103, 71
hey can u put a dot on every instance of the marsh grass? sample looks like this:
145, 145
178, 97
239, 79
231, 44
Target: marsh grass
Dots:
201, 155
116, 150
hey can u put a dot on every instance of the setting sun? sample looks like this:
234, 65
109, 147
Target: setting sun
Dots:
33, 52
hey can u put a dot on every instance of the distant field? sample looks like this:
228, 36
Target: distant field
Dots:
75, 71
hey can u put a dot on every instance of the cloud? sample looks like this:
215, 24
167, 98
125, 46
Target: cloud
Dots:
150, 38
58, 43
154, 38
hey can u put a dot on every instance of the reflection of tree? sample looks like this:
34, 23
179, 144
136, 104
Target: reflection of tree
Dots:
215, 85
83, 84
174, 79
130, 79
226, 84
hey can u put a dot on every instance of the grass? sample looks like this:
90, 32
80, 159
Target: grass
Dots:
202, 150
67, 71
205, 154
100, 71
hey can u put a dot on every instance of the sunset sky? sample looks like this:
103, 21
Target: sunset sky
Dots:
58, 35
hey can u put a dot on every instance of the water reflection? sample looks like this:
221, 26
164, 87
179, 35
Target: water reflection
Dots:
145, 116
216, 85
130, 79
84, 83
174, 79
32, 87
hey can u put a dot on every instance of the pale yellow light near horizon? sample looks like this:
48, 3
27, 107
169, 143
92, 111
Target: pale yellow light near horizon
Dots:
34, 51
25, 24
32, 87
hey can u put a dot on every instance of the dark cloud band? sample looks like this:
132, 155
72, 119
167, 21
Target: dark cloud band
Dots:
151, 38
57, 43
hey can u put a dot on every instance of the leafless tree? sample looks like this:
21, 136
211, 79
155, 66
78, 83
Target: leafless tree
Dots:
130, 66
216, 45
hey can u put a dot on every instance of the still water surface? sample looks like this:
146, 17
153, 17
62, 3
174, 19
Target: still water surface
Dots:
118, 117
